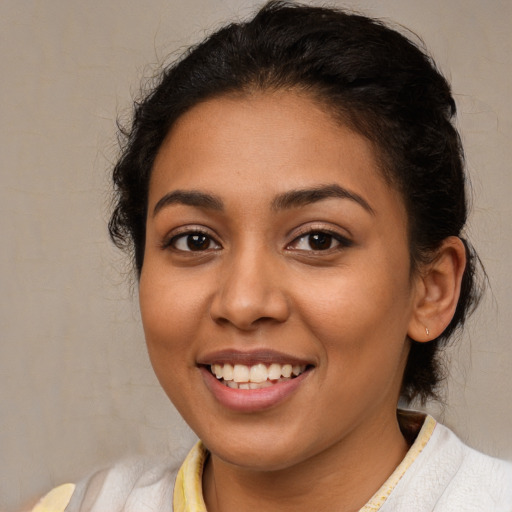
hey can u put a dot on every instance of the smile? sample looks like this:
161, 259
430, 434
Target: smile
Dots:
257, 376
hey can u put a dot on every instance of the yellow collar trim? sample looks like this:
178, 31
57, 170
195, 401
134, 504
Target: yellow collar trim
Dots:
188, 494
56, 500
188, 489
383, 493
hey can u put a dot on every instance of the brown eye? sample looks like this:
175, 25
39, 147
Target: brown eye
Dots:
317, 241
193, 242
320, 241
198, 242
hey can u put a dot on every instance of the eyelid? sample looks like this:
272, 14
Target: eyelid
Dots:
190, 229
303, 231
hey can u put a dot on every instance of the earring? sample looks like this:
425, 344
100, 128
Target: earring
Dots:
427, 331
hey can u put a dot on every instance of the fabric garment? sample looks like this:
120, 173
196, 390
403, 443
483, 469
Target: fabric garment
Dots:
438, 474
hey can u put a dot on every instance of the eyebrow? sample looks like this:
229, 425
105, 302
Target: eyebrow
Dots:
285, 201
302, 197
190, 198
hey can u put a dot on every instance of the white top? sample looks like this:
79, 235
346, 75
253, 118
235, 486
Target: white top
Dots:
438, 474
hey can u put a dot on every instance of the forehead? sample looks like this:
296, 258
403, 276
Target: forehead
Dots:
265, 143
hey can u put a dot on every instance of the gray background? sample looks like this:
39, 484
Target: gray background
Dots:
77, 389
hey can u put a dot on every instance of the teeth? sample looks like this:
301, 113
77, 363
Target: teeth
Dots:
241, 373
241, 376
252, 385
227, 372
258, 373
287, 370
217, 370
274, 371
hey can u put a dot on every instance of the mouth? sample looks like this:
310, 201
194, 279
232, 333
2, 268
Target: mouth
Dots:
253, 381
256, 376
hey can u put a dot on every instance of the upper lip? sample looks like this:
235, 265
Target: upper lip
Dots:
250, 357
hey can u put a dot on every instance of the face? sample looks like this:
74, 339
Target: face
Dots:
276, 291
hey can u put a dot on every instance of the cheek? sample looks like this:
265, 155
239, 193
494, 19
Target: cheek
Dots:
361, 317
352, 301
170, 311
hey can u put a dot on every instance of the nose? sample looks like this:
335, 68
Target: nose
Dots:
250, 293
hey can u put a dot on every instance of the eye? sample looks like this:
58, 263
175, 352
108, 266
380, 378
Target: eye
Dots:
193, 242
319, 241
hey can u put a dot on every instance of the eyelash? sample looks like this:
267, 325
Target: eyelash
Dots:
342, 241
170, 243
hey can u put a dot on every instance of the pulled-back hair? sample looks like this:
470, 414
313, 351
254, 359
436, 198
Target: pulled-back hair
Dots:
369, 77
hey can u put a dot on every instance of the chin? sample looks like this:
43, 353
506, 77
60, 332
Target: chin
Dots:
262, 460
269, 451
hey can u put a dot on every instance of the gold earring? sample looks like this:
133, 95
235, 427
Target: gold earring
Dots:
427, 331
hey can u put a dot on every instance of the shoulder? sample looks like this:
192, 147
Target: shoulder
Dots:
448, 476
135, 485
484, 479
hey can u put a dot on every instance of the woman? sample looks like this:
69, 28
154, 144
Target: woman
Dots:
293, 194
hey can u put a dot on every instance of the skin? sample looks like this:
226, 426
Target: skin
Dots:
257, 283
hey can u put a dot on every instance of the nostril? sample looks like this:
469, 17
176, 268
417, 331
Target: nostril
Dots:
248, 309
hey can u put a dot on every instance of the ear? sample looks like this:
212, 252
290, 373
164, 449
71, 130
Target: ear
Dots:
437, 291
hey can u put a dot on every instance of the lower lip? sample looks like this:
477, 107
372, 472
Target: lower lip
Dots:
251, 400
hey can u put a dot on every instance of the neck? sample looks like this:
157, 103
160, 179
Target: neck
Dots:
343, 477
